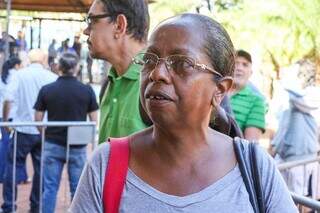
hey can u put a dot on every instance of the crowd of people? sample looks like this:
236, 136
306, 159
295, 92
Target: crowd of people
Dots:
28, 94
76, 48
179, 121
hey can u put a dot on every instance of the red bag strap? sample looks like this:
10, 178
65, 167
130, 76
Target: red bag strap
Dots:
116, 174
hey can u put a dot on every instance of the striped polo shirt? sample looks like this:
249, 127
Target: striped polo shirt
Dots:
249, 109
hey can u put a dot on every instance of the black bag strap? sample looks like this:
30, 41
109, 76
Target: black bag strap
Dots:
251, 179
256, 176
223, 122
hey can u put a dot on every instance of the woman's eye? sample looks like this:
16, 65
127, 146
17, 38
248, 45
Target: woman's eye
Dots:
180, 64
150, 61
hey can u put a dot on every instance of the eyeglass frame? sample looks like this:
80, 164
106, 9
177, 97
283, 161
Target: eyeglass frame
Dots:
88, 19
196, 65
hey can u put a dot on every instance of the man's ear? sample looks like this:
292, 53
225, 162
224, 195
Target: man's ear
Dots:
223, 87
120, 26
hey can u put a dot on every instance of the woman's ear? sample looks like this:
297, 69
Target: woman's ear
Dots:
223, 87
120, 26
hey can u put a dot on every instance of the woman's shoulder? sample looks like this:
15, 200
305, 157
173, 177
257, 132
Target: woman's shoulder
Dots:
272, 182
99, 159
264, 160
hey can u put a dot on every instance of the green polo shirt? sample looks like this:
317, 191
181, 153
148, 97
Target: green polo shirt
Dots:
119, 108
249, 109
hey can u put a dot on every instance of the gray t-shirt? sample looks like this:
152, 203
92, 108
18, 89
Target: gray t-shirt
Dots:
228, 194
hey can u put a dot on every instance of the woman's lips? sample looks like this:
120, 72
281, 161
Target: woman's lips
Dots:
157, 98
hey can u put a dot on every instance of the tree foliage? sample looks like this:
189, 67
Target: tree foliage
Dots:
282, 31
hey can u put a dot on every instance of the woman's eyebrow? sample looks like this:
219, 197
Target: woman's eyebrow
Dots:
152, 49
183, 51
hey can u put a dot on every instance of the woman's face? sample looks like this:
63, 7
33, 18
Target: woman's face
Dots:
180, 93
18, 66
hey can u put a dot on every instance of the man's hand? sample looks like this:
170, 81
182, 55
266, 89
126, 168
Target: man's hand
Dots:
5, 114
39, 117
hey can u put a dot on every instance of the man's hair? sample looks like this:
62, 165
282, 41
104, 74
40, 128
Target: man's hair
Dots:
244, 54
136, 12
68, 63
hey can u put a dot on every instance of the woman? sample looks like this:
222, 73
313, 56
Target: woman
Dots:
180, 164
8, 69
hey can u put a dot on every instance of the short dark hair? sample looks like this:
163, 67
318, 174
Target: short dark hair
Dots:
68, 62
244, 54
216, 43
136, 12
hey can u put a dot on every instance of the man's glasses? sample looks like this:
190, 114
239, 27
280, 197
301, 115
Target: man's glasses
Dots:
180, 64
89, 19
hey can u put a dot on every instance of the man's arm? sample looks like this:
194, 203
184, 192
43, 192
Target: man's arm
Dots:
93, 116
39, 117
6, 112
256, 124
10, 95
252, 133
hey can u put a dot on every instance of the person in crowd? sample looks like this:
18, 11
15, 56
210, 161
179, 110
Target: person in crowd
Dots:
290, 143
24, 88
66, 99
180, 164
13, 50
52, 52
8, 69
77, 46
117, 31
21, 42
65, 47
296, 105
61, 48
248, 107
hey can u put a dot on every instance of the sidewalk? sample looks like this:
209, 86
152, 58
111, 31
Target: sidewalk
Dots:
63, 198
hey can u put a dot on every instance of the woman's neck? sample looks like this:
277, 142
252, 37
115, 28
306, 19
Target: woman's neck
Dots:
179, 146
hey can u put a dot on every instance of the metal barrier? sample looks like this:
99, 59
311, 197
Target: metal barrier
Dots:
78, 133
305, 201
300, 200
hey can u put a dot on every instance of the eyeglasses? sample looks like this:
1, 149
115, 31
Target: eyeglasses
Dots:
90, 18
180, 64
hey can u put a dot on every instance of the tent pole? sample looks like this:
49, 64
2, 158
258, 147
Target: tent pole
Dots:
7, 29
40, 29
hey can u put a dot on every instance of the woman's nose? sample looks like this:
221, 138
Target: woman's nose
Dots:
160, 72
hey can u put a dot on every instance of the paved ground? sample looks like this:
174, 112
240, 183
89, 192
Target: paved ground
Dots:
63, 198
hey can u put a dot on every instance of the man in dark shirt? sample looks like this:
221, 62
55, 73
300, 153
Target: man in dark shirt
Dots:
66, 99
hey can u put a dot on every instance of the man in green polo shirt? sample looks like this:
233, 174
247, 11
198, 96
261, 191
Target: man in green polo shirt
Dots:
247, 104
117, 31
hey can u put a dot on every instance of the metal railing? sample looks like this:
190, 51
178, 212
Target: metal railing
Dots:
291, 164
300, 200
305, 201
78, 133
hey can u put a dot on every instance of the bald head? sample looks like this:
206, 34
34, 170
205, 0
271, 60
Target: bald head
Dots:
37, 56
